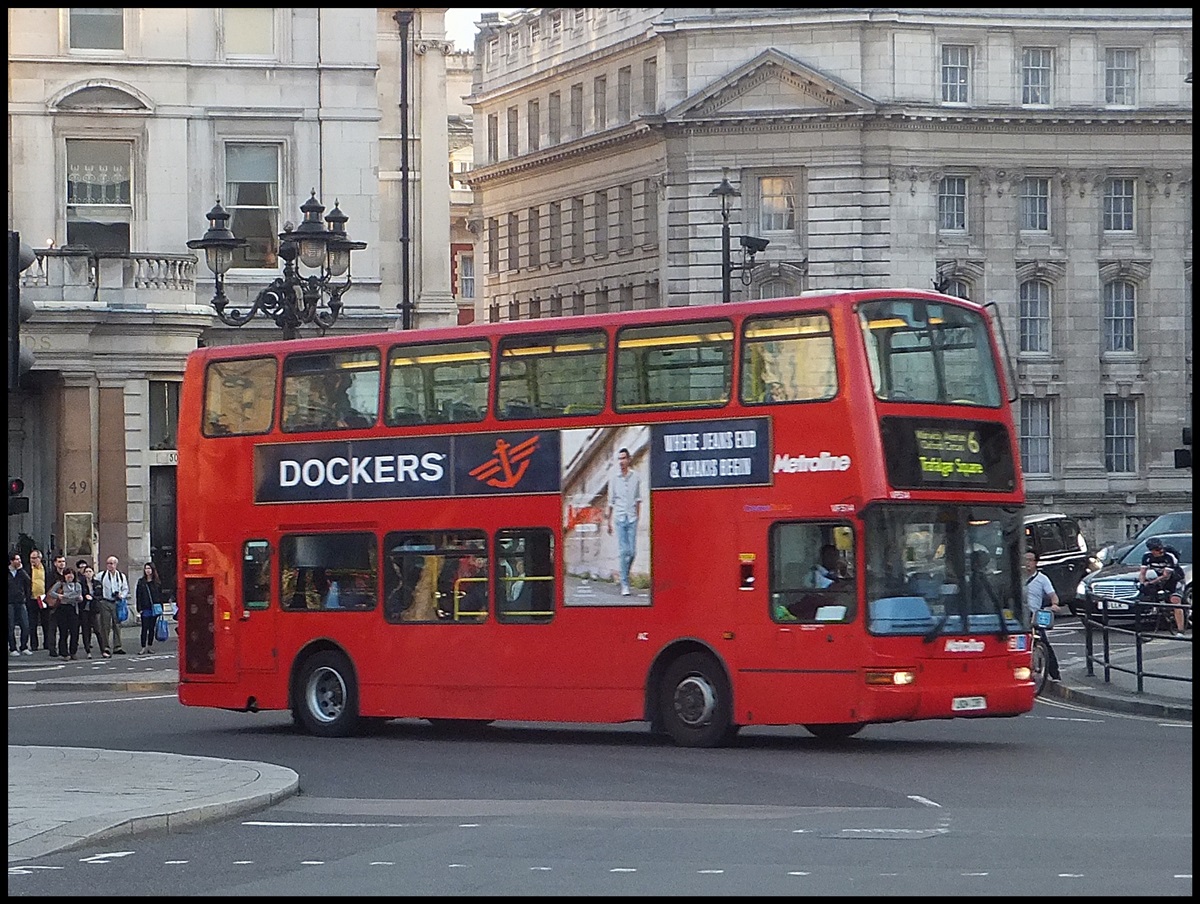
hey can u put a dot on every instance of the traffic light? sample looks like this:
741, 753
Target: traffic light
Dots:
1183, 457
18, 504
20, 360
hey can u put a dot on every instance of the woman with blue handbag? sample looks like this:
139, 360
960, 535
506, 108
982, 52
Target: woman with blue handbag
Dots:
149, 597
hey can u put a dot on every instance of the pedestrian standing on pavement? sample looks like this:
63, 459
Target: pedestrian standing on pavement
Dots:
68, 593
86, 575
18, 615
1039, 594
53, 619
149, 599
35, 606
113, 586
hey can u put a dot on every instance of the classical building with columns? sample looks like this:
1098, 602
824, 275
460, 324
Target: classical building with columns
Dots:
125, 125
1037, 159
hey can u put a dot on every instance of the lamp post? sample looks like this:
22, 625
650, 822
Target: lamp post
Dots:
292, 299
404, 19
751, 245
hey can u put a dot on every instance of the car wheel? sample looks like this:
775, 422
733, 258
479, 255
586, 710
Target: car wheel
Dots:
695, 702
326, 696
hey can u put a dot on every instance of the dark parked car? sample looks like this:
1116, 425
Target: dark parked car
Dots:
1062, 553
1116, 585
1170, 523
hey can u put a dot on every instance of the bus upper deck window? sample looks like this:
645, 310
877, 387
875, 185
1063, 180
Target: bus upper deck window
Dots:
788, 359
331, 390
239, 397
677, 365
551, 376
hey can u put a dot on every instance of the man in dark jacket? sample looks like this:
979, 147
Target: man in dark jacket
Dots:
18, 596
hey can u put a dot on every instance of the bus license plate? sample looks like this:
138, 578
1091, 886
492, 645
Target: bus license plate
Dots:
968, 704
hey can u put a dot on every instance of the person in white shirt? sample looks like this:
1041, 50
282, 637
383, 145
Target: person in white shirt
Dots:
625, 507
114, 586
1039, 594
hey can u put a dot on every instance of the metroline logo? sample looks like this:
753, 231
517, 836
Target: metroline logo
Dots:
822, 461
964, 646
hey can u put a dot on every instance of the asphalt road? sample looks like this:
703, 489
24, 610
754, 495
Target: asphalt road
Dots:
1061, 801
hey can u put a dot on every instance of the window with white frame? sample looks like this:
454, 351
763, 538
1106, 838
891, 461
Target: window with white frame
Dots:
1037, 70
459, 168
650, 85
1120, 298
249, 31
1035, 204
625, 218
624, 93
1035, 436
577, 228
554, 118
514, 242
514, 132
1119, 197
534, 123
1120, 76
534, 237
1120, 436
535, 31
99, 193
956, 74
493, 52
599, 102
776, 203
555, 232
1035, 316
952, 204
958, 288
576, 110
466, 275
92, 28
252, 199
600, 215
556, 25
514, 42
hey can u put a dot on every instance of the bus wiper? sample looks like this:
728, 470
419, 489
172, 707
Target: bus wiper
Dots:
932, 634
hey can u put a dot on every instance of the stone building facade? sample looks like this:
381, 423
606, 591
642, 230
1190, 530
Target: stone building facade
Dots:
124, 126
1038, 159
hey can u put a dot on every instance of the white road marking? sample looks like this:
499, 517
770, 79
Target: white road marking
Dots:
105, 858
312, 862
331, 825
94, 702
711, 872
174, 862
796, 872
924, 800
540, 869
28, 870
382, 863
622, 869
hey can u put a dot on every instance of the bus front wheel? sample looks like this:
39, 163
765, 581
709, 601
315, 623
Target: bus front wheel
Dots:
695, 705
326, 698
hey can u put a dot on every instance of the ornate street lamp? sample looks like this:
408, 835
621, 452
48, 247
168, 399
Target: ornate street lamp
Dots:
751, 245
292, 299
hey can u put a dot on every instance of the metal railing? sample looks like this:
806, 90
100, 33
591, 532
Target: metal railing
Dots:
1146, 619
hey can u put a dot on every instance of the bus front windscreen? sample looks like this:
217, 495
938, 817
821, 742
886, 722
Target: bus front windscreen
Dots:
943, 569
923, 351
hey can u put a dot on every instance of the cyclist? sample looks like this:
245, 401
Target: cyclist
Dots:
1167, 574
1039, 593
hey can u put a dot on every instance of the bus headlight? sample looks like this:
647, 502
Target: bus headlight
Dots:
897, 678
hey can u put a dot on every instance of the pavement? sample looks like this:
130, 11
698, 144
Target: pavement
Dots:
84, 794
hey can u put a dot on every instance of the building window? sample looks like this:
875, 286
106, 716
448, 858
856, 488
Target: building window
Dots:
1119, 305
577, 304
1120, 77
624, 93
459, 168
514, 42
956, 74
625, 218
514, 133
601, 301
164, 414
514, 310
249, 31
1037, 68
600, 215
600, 102
99, 193
1035, 436
466, 276
952, 204
252, 199
535, 308
577, 228
534, 124
493, 51
555, 232
514, 242
649, 213
1035, 316
556, 308
535, 238
1120, 436
1118, 205
626, 296
535, 31
576, 110
956, 287
493, 138
777, 203
493, 245
92, 28
1035, 205
650, 85
556, 25
554, 118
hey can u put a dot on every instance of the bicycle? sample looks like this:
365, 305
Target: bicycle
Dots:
1155, 600
1040, 656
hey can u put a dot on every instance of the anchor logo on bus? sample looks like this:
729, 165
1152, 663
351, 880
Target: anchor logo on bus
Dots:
508, 465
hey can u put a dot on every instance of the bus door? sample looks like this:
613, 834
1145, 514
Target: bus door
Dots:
255, 620
812, 589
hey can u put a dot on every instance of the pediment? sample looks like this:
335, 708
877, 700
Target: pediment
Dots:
772, 83
95, 95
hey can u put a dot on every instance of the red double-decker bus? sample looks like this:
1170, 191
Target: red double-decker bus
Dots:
799, 511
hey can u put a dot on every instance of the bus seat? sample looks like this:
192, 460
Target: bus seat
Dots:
404, 416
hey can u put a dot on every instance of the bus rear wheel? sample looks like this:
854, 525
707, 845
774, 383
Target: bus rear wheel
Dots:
837, 731
326, 696
695, 703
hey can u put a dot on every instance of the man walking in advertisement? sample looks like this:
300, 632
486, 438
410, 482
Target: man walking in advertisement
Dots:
625, 507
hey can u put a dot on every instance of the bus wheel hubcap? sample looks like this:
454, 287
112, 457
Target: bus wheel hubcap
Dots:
695, 701
326, 694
